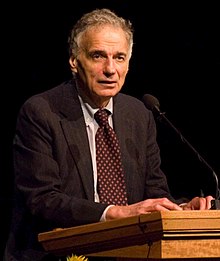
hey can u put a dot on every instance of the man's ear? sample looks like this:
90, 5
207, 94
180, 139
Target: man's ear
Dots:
73, 64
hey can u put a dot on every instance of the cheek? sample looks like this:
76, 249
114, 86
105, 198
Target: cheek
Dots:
123, 73
85, 68
123, 68
87, 73
93, 70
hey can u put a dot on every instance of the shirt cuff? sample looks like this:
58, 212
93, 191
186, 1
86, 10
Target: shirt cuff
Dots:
103, 217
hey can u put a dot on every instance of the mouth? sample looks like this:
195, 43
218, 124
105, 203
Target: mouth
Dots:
108, 83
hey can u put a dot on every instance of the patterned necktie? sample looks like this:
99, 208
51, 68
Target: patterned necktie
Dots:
111, 183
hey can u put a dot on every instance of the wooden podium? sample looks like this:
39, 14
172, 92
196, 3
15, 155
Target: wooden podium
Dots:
166, 235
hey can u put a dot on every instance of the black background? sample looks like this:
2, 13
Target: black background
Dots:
176, 57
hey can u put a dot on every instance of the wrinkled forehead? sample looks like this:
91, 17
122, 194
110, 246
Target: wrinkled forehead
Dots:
105, 28
105, 33
105, 37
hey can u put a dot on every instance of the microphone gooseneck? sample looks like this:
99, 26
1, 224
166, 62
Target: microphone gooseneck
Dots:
152, 103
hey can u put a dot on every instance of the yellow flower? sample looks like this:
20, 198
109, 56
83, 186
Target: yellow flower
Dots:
76, 258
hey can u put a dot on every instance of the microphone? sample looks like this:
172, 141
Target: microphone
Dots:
152, 103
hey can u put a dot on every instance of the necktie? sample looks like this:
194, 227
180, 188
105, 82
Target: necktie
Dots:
110, 176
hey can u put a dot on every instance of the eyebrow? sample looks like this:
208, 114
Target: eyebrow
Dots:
102, 52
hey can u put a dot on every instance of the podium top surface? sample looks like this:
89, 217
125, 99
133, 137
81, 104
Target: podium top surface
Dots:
134, 230
210, 218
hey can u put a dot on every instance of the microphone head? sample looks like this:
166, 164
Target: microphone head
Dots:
151, 102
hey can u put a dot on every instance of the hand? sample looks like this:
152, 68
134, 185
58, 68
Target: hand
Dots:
198, 203
143, 207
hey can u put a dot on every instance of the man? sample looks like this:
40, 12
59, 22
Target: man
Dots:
56, 174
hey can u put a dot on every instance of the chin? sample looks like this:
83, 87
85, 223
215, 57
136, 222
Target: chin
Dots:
108, 93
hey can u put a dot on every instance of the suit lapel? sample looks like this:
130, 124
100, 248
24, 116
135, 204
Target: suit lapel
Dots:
124, 128
74, 129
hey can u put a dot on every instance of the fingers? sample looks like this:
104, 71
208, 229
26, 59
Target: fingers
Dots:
202, 204
209, 201
160, 204
199, 203
143, 207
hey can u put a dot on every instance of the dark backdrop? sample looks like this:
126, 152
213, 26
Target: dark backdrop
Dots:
176, 57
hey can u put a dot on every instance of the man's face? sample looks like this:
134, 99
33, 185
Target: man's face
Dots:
102, 63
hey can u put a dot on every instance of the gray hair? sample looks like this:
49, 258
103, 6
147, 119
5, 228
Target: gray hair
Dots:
98, 17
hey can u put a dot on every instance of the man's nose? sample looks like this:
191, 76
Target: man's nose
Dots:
109, 67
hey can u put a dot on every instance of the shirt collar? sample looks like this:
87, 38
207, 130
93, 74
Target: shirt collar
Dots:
89, 112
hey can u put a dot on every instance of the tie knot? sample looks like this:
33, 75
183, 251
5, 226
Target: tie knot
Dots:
101, 116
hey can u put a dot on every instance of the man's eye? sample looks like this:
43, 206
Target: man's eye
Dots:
96, 56
120, 58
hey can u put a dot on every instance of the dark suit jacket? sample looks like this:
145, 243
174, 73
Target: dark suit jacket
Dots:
53, 168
